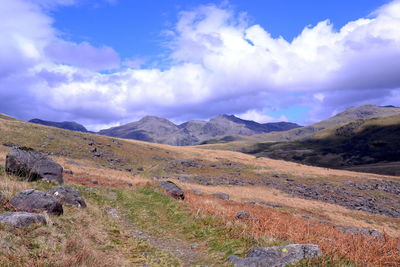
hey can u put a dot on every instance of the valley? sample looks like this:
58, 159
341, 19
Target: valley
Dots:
138, 224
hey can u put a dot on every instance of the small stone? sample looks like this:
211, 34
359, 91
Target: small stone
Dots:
221, 196
68, 172
241, 215
140, 169
129, 184
113, 213
172, 189
94, 182
194, 246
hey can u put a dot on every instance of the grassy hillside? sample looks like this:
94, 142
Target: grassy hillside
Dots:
374, 142
350, 114
130, 222
6, 117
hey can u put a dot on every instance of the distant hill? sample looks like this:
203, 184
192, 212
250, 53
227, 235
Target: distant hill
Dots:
350, 114
6, 117
370, 145
160, 130
68, 125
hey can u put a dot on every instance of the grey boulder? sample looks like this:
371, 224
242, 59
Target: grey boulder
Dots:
21, 219
32, 200
172, 189
68, 195
276, 256
33, 165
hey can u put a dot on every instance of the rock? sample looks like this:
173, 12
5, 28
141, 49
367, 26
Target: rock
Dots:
94, 182
21, 219
128, 169
113, 213
32, 200
33, 165
370, 232
68, 172
241, 215
197, 191
221, 196
68, 195
129, 184
194, 246
172, 189
140, 169
276, 256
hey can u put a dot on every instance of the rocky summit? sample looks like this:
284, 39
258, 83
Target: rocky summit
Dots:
160, 130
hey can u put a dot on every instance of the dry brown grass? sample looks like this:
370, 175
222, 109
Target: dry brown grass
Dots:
84, 173
363, 250
335, 214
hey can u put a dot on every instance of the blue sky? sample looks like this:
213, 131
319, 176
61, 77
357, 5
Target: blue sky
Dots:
134, 28
107, 62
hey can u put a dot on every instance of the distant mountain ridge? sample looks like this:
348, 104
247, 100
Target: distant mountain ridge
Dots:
370, 145
350, 114
160, 130
68, 125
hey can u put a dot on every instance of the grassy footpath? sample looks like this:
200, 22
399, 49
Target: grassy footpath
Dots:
91, 237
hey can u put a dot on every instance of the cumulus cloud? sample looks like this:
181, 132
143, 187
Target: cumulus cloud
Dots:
219, 63
260, 117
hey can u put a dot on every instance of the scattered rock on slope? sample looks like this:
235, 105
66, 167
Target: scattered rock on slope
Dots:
68, 195
241, 215
276, 256
221, 196
172, 189
33, 165
21, 219
31, 200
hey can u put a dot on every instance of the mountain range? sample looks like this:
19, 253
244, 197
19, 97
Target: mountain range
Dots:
350, 114
226, 128
160, 130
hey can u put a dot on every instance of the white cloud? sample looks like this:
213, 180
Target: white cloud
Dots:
260, 117
219, 64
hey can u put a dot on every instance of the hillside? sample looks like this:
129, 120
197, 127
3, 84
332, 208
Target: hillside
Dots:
159, 130
371, 145
68, 125
130, 221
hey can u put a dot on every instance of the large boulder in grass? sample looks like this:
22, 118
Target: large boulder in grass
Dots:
21, 219
32, 200
68, 195
276, 256
172, 189
33, 166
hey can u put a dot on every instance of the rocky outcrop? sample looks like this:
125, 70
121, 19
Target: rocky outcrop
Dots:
21, 219
68, 195
276, 256
33, 200
172, 189
33, 166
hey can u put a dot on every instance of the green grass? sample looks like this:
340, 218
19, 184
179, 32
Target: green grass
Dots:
168, 219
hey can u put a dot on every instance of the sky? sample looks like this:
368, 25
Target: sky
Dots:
107, 62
